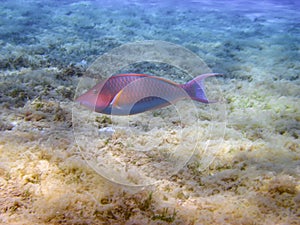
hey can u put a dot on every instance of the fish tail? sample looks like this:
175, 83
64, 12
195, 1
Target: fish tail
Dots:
195, 88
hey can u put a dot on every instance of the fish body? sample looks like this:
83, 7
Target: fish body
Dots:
128, 94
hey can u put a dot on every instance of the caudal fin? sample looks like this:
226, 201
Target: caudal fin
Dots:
195, 88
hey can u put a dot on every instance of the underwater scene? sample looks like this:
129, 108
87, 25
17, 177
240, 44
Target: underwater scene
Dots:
150, 112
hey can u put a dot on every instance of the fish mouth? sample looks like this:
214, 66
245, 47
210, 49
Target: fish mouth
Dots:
85, 103
91, 105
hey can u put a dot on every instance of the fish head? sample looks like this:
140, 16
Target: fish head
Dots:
96, 99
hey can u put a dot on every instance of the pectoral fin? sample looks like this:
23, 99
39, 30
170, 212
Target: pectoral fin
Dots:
115, 103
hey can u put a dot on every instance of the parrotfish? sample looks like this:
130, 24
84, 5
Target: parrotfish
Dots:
128, 94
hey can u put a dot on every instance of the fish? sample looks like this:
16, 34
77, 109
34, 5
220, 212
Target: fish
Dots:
129, 94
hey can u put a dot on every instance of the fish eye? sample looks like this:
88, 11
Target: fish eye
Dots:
95, 91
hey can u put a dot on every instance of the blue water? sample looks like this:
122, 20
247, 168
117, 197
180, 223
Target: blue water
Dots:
230, 36
47, 45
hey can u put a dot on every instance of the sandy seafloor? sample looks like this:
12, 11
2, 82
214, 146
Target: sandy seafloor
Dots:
255, 178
